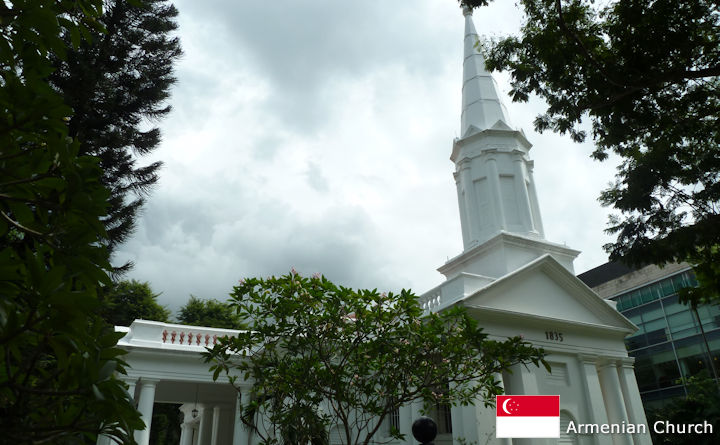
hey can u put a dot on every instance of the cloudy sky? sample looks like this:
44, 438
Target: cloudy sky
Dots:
316, 134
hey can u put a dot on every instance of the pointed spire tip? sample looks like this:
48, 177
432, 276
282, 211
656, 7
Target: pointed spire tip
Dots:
482, 106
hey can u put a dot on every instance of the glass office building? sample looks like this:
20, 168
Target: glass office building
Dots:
673, 341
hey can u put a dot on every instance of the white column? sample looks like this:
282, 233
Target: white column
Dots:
240, 434
457, 421
491, 426
493, 178
522, 196
593, 398
215, 433
145, 406
537, 220
471, 226
614, 403
405, 426
415, 410
205, 429
415, 407
131, 388
190, 423
464, 421
470, 422
633, 401
130, 381
462, 176
483, 423
186, 434
251, 436
523, 381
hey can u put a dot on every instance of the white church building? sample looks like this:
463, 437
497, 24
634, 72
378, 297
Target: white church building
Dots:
509, 277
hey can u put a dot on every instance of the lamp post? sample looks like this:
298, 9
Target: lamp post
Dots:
424, 430
195, 410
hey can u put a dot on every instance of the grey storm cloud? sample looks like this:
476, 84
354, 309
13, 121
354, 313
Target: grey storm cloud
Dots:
301, 46
315, 134
264, 241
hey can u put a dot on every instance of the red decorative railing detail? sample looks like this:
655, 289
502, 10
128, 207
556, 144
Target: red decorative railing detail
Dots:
190, 338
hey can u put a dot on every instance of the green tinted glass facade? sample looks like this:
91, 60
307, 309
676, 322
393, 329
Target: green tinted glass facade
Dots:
669, 344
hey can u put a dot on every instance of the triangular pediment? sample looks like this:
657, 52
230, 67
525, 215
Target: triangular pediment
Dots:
545, 289
471, 130
501, 125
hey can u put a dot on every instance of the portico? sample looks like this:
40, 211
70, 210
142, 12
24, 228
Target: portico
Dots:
166, 366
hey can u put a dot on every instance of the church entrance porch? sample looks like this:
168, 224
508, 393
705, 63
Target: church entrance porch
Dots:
166, 367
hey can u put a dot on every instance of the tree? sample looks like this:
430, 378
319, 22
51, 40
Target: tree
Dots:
211, 313
122, 303
702, 404
117, 83
646, 75
127, 301
325, 357
57, 357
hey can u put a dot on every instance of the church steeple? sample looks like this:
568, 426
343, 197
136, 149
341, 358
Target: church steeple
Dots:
481, 105
499, 214
495, 186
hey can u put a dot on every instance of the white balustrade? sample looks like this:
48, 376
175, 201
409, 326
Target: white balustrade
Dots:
155, 333
431, 299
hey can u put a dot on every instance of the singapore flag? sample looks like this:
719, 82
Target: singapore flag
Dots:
527, 416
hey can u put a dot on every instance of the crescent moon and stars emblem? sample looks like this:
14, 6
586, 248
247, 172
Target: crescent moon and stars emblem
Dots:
510, 406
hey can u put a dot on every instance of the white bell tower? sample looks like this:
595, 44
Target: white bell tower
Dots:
493, 172
502, 228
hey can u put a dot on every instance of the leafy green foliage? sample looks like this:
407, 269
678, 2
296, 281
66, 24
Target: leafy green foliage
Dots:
121, 304
126, 301
474, 3
646, 73
57, 358
702, 404
322, 356
166, 421
210, 313
117, 83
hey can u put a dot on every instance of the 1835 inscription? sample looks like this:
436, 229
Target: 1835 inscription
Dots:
554, 336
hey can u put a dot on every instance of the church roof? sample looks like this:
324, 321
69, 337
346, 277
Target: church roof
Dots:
545, 289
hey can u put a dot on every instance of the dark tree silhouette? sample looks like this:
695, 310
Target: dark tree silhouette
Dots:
117, 85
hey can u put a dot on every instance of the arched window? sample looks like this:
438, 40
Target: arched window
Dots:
567, 438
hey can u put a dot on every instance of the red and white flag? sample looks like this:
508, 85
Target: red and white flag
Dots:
527, 416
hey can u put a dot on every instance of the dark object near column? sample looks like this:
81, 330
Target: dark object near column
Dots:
424, 429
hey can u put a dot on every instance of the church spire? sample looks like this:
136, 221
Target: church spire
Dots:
493, 172
502, 230
481, 105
